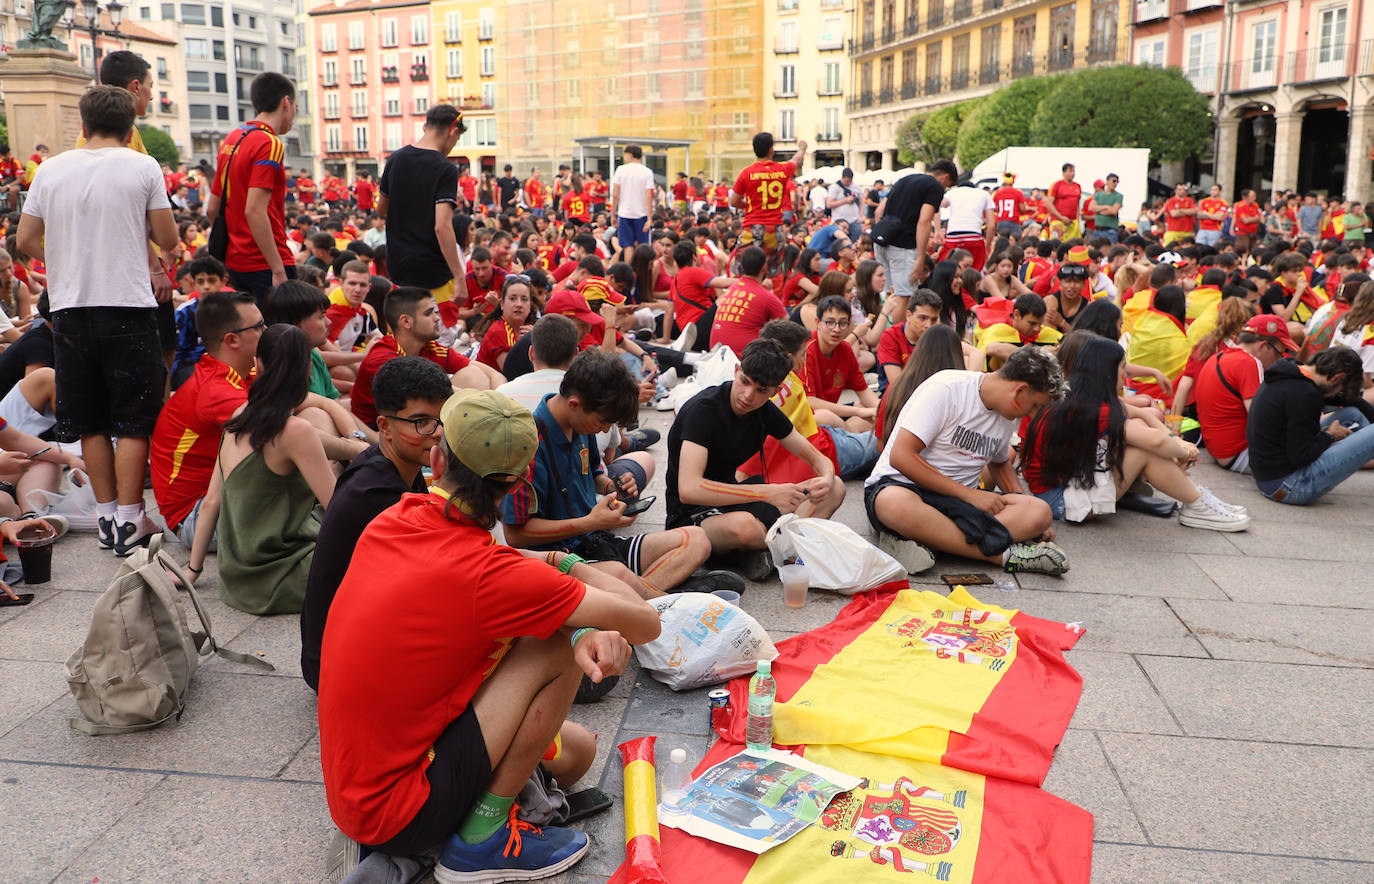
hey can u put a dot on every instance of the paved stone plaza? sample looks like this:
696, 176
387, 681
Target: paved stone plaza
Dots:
1223, 733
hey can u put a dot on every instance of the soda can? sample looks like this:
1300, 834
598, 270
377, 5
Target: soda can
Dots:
720, 698
720, 709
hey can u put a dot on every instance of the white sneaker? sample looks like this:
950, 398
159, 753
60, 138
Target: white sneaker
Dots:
1220, 504
911, 555
686, 339
1203, 514
669, 378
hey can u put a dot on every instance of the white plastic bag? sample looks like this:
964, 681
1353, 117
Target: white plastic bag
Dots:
704, 641
715, 368
838, 558
74, 499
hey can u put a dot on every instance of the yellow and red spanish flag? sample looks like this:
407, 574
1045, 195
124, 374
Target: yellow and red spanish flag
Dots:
950, 710
1159, 341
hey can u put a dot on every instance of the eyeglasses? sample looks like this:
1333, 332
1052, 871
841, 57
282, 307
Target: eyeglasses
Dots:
836, 324
257, 326
424, 426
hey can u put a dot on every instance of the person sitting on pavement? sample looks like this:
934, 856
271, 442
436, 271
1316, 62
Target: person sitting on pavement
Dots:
424, 740
1025, 326
923, 494
938, 349
1160, 344
831, 369
512, 324
1082, 454
559, 509
722, 427
1226, 387
409, 392
271, 471
746, 305
898, 341
1297, 454
1356, 331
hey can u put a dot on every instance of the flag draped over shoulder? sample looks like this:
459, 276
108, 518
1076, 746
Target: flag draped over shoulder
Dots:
950, 710
1159, 341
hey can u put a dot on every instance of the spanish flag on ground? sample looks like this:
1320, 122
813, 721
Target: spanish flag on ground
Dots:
951, 710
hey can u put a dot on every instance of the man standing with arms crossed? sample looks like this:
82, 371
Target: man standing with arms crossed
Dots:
109, 370
1064, 199
418, 194
632, 199
250, 188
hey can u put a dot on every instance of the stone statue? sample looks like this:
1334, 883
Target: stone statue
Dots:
46, 14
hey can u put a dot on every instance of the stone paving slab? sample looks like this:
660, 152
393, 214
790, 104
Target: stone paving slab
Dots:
1162, 865
1247, 796
1125, 624
1117, 696
1130, 571
1281, 633
49, 631
26, 686
1080, 774
1272, 581
1281, 702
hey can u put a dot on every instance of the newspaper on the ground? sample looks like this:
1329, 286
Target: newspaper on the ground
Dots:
757, 799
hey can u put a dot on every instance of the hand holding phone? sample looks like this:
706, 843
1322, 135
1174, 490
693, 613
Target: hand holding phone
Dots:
636, 507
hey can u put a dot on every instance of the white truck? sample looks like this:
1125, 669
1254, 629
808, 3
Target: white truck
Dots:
1042, 166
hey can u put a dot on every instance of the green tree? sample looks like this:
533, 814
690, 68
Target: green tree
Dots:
1125, 106
925, 138
911, 147
1003, 119
160, 145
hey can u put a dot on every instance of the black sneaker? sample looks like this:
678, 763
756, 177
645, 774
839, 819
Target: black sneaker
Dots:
751, 564
105, 533
591, 692
641, 439
129, 536
703, 580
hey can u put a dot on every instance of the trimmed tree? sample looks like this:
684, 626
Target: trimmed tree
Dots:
941, 133
1003, 119
160, 145
911, 147
1125, 106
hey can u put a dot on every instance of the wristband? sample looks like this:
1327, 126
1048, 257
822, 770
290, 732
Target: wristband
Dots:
581, 632
200, 570
570, 561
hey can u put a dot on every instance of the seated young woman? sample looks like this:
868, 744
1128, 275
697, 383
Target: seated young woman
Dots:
937, 349
1081, 454
271, 472
1159, 343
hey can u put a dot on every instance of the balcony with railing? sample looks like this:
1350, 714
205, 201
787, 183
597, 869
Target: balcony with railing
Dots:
991, 5
910, 89
344, 146
989, 74
1332, 61
1190, 6
910, 27
885, 96
1102, 49
932, 84
887, 35
861, 47
959, 79
786, 47
961, 9
1059, 60
828, 137
419, 72
1251, 74
1023, 66
1151, 10
391, 75
935, 14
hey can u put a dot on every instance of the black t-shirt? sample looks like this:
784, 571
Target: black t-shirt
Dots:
369, 485
414, 181
1274, 297
729, 439
509, 188
34, 347
904, 201
518, 359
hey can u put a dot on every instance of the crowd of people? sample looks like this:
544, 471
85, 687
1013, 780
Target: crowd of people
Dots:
406, 405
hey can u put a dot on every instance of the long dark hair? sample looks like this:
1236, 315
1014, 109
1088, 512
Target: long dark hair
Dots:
871, 301
1065, 433
937, 350
789, 260
1101, 317
642, 262
279, 389
953, 312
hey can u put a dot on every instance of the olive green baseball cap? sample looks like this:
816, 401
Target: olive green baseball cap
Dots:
490, 433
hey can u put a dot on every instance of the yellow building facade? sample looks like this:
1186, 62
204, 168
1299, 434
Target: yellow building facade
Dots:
915, 56
686, 70
807, 72
466, 45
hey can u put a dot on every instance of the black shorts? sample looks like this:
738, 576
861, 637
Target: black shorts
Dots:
871, 498
167, 325
458, 775
108, 366
685, 515
603, 546
257, 282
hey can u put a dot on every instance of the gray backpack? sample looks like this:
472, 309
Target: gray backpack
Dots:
136, 664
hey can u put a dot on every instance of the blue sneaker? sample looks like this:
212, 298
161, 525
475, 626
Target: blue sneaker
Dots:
518, 851
105, 535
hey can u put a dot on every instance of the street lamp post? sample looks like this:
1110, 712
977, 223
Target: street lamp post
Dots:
92, 10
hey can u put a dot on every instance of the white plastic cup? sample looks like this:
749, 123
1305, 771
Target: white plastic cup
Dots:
796, 579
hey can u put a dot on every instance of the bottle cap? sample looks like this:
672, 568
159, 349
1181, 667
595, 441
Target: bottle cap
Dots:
765, 667
678, 756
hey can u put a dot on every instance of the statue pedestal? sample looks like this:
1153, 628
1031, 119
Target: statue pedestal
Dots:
42, 89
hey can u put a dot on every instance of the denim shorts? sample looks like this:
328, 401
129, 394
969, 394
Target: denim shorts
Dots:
855, 452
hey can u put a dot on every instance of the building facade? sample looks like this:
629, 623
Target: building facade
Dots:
467, 44
916, 56
690, 70
372, 80
806, 73
1291, 83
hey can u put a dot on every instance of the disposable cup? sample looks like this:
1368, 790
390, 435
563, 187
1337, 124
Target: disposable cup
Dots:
795, 581
35, 554
1174, 422
729, 596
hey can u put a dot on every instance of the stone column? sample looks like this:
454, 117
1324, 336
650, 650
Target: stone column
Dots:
1287, 148
1359, 165
42, 89
1224, 163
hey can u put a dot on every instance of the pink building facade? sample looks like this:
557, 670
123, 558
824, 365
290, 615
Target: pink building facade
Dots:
1291, 84
372, 69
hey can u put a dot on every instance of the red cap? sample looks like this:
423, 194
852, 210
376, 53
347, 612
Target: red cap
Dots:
1099, 184
570, 303
1269, 326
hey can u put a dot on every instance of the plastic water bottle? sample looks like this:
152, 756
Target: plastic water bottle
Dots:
677, 782
758, 733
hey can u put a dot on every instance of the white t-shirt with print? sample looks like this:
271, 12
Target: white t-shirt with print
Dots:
634, 179
966, 208
961, 434
94, 206
1355, 341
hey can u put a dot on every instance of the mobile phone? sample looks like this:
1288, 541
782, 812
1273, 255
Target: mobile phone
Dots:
24, 599
588, 802
35, 455
634, 508
975, 579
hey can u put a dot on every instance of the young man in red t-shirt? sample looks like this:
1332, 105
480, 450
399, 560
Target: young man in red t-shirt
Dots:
898, 342
1223, 409
681, 193
1065, 197
467, 185
536, 194
746, 305
365, 191
1180, 213
720, 196
484, 280
761, 191
1245, 222
1212, 210
694, 296
1010, 204
832, 368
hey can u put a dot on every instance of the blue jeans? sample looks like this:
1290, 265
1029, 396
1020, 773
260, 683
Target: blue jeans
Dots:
1208, 237
1337, 463
856, 452
631, 232
1110, 233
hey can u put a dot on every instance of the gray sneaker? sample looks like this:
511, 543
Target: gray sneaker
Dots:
342, 858
1037, 557
1218, 503
1204, 513
911, 555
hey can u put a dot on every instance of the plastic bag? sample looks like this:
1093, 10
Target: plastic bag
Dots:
715, 368
74, 499
704, 641
838, 558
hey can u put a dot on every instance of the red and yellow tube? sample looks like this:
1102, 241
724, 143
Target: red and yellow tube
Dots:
643, 854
